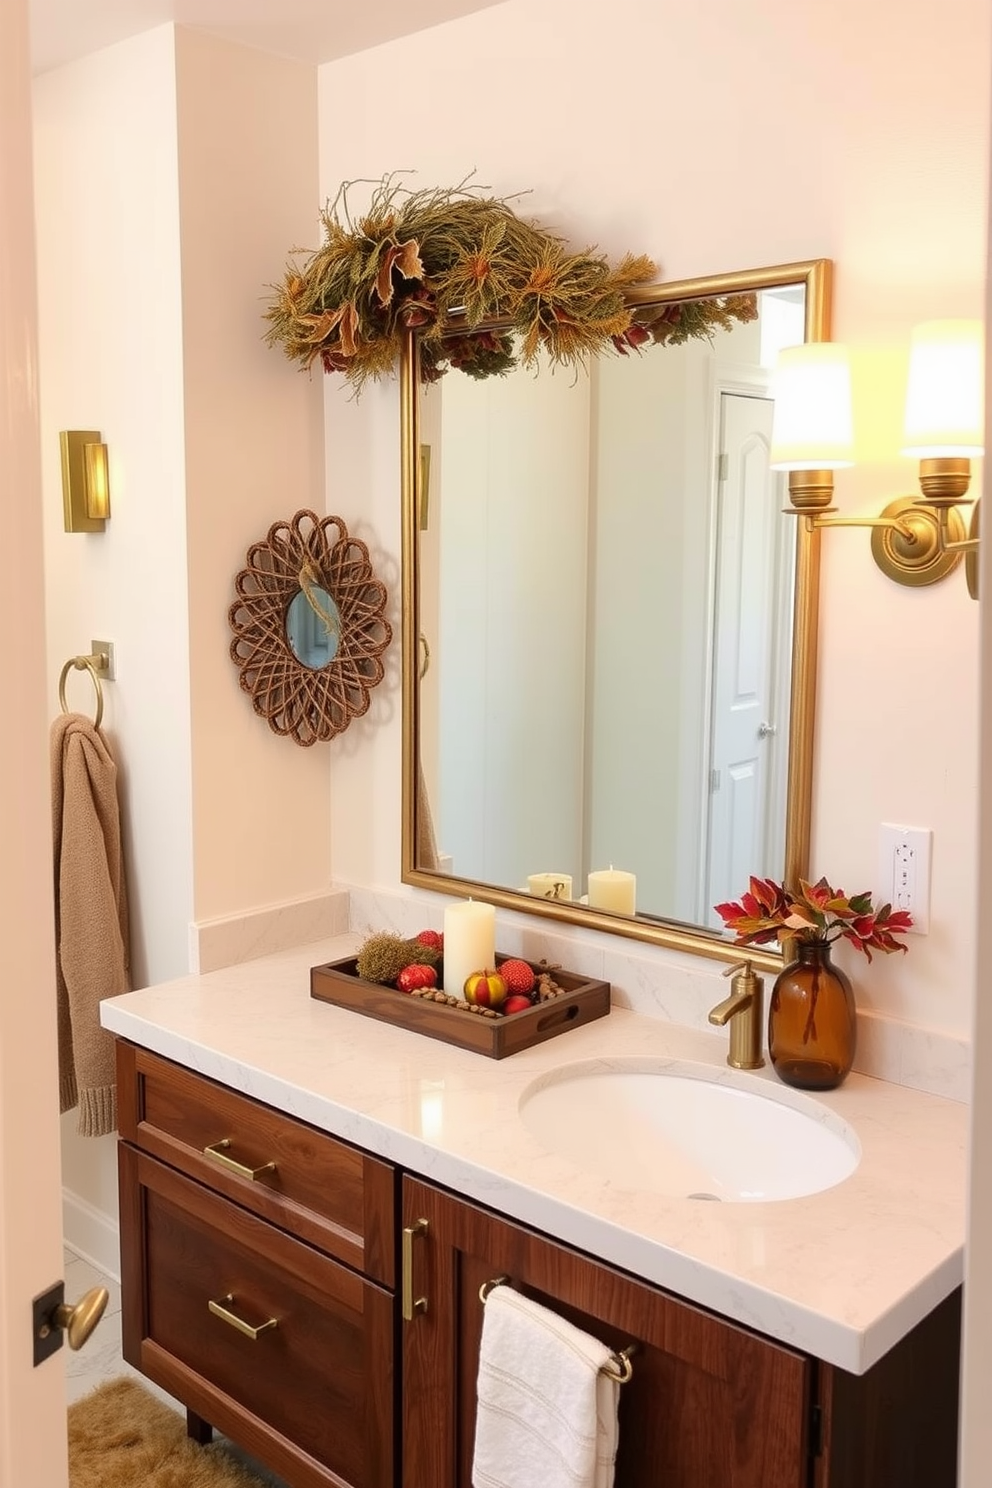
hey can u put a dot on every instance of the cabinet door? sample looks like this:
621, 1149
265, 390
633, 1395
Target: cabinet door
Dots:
282, 1348
710, 1405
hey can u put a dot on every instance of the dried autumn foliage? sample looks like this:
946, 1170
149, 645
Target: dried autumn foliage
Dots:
429, 259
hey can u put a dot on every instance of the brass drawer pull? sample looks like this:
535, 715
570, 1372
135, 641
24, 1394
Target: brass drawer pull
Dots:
218, 1151
412, 1305
223, 1312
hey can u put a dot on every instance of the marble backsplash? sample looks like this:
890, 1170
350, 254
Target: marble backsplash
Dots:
231, 939
677, 988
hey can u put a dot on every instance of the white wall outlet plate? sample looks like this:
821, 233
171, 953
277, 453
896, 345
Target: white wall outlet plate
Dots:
904, 872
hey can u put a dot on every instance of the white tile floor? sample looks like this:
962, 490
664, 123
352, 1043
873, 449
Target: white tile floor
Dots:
100, 1358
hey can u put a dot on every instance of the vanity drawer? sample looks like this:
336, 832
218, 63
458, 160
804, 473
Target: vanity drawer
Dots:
311, 1393
318, 1187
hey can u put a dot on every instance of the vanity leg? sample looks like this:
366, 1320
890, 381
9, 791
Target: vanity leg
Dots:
198, 1430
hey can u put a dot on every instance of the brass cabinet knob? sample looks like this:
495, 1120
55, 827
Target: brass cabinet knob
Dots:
80, 1320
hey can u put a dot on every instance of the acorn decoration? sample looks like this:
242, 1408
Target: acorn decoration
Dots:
546, 987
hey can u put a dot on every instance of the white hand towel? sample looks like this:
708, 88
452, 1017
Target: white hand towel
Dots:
547, 1415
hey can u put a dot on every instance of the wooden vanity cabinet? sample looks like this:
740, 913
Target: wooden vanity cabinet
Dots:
260, 1296
710, 1404
303, 1256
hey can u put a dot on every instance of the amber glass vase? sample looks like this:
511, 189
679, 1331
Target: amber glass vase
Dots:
812, 1023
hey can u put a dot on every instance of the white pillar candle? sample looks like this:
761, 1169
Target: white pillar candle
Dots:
550, 885
611, 888
469, 943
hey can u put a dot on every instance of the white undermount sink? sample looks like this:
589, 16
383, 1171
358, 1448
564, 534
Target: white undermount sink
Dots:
689, 1130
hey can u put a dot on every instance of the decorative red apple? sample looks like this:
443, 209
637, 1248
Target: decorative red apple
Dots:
518, 975
485, 989
517, 1002
412, 978
432, 938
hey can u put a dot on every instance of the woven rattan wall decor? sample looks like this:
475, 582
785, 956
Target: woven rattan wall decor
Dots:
309, 627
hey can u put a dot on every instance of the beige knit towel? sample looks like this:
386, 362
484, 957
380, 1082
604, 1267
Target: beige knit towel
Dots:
91, 923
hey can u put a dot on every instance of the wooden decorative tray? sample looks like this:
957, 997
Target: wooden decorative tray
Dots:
582, 1002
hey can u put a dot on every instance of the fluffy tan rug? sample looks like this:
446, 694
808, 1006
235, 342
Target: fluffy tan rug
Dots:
121, 1436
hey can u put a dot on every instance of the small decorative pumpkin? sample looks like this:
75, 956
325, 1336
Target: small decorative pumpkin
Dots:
485, 989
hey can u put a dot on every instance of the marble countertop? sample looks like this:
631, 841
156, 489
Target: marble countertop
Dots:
842, 1274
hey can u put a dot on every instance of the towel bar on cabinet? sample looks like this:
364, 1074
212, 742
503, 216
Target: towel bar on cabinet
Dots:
619, 1367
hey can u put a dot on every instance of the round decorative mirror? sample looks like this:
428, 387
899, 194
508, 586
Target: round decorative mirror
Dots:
309, 627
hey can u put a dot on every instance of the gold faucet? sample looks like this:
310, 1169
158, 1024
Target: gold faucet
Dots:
743, 1011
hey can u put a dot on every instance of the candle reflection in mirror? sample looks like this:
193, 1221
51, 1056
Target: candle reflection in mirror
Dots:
550, 885
613, 889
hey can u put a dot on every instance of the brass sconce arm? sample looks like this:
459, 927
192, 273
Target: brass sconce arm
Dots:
811, 491
938, 527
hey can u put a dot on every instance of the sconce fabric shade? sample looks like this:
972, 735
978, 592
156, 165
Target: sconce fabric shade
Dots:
945, 396
85, 480
812, 425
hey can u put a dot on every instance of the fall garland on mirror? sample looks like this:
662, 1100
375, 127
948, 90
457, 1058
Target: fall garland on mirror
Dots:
448, 262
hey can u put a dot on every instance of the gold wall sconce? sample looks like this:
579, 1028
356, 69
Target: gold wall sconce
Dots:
85, 480
917, 540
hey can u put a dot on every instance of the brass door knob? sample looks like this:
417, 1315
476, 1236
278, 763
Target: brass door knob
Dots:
80, 1320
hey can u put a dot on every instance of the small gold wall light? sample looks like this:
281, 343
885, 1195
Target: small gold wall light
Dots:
944, 428
85, 480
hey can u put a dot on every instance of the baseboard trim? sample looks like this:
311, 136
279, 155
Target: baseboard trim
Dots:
92, 1234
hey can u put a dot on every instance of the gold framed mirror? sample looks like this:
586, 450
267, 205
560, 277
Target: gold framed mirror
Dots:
620, 624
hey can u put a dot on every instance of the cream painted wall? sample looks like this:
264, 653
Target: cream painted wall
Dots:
110, 349
254, 454
639, 149
111, 359
172, 173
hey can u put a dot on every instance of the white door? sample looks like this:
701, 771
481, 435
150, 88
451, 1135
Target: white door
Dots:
749, 712
32, 1401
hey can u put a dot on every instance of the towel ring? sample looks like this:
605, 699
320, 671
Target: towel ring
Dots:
618, 1367
425, 656
92, 664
